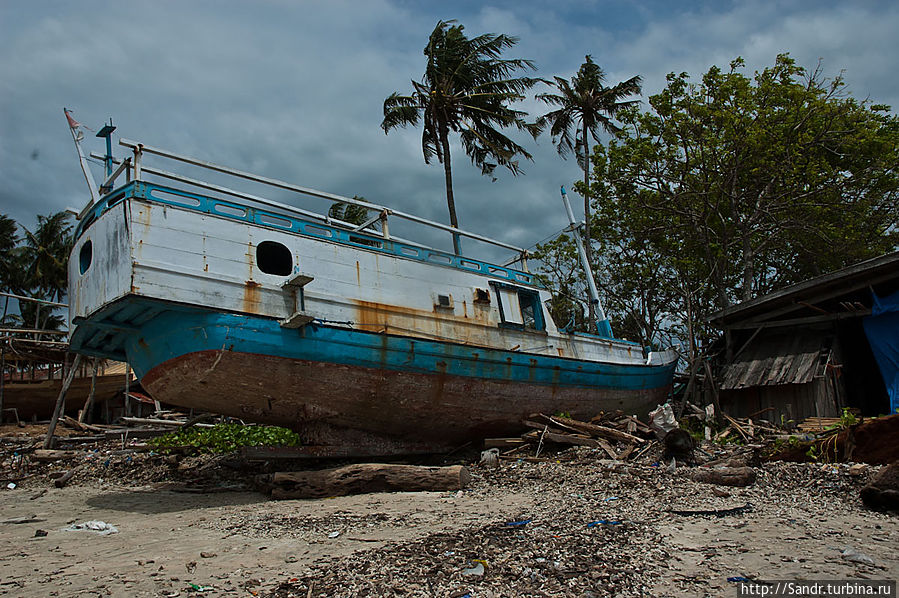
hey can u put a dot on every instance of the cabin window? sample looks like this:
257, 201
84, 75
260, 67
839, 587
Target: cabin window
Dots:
85, 256
444, 302
519, 308
274, 258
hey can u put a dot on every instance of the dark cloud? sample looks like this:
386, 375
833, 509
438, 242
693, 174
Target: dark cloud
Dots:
294, 90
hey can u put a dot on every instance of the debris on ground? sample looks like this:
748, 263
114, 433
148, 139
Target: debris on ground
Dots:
571, 508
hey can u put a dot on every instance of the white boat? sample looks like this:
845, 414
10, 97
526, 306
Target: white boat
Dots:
364, 343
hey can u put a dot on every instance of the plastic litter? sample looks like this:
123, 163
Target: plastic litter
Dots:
11, 486
99, 527
333, 534
611, 498
521, 523
477, 570
198, 588
854, 556
662, 420
490, 458
603, 522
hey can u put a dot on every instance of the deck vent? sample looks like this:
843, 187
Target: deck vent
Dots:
85, 256
274, 258
444, 302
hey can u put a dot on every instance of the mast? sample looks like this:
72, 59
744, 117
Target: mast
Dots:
603, 327
77, 137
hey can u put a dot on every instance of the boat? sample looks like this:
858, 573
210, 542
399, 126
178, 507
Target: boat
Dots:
363, 342
26, 400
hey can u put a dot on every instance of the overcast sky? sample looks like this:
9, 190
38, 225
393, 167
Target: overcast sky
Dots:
294, 90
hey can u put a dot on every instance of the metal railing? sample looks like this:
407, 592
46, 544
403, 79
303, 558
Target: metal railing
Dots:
134, 168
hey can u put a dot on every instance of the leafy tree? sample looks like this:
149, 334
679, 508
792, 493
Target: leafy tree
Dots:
736, 186
585, 105
349, 212
46, 255
467, 88
10, 260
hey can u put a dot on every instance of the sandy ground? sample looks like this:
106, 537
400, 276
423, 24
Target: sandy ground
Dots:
798, 519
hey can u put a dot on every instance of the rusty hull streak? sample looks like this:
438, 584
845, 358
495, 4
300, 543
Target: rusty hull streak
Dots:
251, 296
383, 317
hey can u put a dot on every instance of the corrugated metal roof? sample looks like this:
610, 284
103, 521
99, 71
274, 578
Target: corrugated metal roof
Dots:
775, 360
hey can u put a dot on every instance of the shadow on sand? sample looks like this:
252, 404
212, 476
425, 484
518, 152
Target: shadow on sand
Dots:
155, 501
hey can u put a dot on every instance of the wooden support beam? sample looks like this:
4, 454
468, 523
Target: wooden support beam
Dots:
61, 401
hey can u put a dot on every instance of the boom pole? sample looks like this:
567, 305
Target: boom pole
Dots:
603, 327
77, 137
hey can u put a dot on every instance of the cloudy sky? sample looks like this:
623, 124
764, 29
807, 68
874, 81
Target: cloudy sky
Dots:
294, 89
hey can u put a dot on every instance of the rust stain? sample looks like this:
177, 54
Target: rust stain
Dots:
374, 317
464, 309
561, 351
358, 275
251, 297
250, 261
532, 369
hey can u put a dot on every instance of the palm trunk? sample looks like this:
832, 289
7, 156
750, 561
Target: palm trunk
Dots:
587, 244
450, 201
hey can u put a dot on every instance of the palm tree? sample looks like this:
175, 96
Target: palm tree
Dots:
9, 259
9, 239
585, 106
349, 212
46, 254
466, 89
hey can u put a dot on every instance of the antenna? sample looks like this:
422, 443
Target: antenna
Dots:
106, 132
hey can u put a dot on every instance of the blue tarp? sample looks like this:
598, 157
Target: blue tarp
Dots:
882, 330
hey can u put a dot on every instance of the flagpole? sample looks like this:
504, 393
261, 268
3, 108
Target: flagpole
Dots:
77, 136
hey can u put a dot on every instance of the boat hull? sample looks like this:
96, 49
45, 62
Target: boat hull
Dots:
37, 400
332, 403
340, 386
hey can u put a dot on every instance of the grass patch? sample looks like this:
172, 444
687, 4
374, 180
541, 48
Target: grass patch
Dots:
225, 438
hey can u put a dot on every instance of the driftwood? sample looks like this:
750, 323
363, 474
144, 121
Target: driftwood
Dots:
714, 512
53, 455
726, 476
594, 430
83, 427
363, 478
62, 480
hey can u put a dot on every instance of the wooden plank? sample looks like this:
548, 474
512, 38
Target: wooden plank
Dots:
502, 443
595, 430
54, 455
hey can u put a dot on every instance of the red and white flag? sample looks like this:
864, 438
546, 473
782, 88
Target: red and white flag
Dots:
72, 122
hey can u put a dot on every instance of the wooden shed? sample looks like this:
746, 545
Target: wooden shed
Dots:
802, 351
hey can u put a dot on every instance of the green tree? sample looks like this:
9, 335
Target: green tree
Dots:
585, 105
736, 186
349, 212
10, 260
9, 240
46, 255
467, 88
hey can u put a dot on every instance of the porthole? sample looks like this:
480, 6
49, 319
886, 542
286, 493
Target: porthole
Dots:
85, 256
274, 258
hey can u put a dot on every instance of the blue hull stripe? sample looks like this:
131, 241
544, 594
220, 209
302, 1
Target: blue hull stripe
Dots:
181, 331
